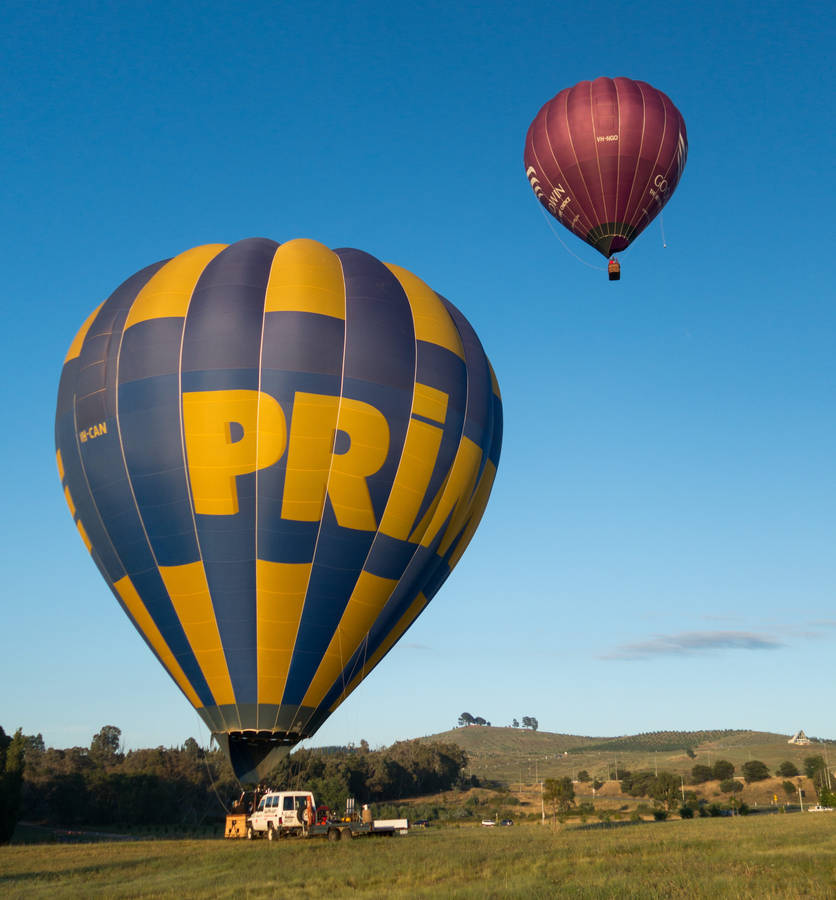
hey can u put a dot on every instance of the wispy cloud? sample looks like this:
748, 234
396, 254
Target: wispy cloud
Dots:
690, 643
413, 645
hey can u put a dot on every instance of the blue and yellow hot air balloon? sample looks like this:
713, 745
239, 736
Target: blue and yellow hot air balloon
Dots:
275, 454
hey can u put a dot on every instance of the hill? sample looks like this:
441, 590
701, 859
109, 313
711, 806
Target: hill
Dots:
516, 755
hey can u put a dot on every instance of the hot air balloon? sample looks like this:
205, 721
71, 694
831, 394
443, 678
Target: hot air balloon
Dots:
275, 454
604, 157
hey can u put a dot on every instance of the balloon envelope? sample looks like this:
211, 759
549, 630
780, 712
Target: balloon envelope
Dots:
604, 157
275, 455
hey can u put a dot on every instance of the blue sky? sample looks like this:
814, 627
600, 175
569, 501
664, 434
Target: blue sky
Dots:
659, 548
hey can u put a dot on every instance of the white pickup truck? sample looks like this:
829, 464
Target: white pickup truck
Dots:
279, 813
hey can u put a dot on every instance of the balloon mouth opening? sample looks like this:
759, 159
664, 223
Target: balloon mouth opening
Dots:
254, 754
612, 237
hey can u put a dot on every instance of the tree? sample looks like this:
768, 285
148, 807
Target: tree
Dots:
730, 786
104, 748
665, 789
530, 722
723, 769
755, 770
480, 721
827, 797
12, 753
789, 788
815, 768
515, 724
583, 776
34, 743
560, 793
701, 774
787, 769
812, 765
465, 719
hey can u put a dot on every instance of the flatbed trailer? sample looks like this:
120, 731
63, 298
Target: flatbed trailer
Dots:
336, 831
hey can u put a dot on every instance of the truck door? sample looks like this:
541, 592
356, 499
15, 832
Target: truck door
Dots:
289, 812
271, 812
257, 817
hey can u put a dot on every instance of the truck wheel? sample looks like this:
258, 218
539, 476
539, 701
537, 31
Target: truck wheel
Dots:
334, 834
271, 832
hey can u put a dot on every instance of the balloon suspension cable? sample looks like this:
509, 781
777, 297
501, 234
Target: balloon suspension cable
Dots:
662, 227
209, 768
565, 247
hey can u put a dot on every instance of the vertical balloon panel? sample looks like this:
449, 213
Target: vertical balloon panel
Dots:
275, 455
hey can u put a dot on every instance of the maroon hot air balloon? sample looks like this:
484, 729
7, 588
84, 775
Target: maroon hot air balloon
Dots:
604, 157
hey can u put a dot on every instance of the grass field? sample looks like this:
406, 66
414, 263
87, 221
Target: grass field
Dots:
761, 856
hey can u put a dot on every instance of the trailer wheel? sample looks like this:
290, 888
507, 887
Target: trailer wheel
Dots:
348, 833
334, 834
250, 833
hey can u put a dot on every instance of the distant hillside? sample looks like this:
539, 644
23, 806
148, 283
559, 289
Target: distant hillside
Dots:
520, 755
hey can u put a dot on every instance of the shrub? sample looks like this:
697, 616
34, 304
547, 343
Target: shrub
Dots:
730, 786
685, 812
660, 815
701, 774
755, 770
723, 769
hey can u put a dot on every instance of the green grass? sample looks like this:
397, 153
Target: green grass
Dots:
775, 855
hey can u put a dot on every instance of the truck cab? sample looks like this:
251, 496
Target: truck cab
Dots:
280, 812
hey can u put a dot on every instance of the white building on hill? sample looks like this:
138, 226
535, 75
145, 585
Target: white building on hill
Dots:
799, 738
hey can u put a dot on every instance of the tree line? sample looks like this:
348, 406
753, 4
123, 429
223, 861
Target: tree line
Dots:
667, 789
527, 721
186, 786
406, 769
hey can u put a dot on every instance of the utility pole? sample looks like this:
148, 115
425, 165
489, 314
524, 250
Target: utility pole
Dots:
682, 781
542, 806
800, 797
